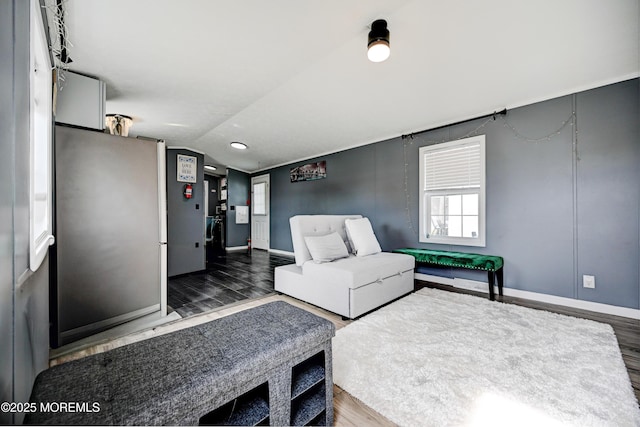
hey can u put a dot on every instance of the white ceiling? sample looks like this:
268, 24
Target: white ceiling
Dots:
291, 78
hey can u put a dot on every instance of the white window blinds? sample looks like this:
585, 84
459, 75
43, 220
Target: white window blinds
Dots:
452, 166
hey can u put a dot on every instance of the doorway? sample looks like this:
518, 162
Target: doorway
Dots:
260, 212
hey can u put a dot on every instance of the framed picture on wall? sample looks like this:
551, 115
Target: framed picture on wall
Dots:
187, 168
309, 172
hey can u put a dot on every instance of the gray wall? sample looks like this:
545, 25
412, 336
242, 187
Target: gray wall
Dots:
24, 297
608, 199
553, 212
185, 219
238, 191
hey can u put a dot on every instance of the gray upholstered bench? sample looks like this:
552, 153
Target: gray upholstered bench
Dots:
266, 365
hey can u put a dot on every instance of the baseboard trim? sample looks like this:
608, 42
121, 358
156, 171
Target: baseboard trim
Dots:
100, 325
147, 322
478, 286
236, 248
283, 253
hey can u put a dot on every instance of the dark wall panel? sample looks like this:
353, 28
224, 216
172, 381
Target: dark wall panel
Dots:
530, 198
185, 218
347, 189
608, 193
396, 225
540, 191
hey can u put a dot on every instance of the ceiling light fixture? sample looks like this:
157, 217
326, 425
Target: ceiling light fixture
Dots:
209, 167
118, 124
378, 45
239, 145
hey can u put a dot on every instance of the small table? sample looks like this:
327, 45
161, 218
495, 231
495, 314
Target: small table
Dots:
493, 264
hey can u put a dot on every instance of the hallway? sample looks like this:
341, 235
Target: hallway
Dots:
235, 277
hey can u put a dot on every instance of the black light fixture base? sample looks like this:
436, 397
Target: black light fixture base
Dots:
379, 31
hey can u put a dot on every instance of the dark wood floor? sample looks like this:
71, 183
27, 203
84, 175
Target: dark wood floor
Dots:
240, 276
235, 277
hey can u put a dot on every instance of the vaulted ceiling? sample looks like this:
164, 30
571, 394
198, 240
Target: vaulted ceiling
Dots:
291, 78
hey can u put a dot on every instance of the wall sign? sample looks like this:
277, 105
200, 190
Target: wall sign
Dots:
309, 172
242, 214
187, 168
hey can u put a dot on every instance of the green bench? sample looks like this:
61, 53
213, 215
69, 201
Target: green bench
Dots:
494, 265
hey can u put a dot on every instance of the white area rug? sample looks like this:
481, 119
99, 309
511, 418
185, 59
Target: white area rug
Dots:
437, 358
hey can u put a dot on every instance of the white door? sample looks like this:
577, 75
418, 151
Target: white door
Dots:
260, 212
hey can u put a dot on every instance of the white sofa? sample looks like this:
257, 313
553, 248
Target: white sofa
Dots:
349, 286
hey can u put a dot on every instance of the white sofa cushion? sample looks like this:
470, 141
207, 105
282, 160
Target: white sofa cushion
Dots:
315, 225
357, 271
326, 248
360, 233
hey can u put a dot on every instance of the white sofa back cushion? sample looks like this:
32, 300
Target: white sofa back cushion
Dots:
315, 225
361, 235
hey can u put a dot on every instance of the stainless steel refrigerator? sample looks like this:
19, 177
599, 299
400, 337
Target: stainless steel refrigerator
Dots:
110, 223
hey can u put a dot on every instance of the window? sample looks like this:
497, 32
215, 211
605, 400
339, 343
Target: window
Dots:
452, 190
260, 198
41, 81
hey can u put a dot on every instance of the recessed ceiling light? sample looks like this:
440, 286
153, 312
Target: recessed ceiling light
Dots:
239, 145
209, 167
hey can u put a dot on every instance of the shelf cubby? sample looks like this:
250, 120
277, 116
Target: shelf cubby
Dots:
308, 391
250, 409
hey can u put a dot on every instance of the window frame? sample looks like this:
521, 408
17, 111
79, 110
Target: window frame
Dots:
425, 196
40, 140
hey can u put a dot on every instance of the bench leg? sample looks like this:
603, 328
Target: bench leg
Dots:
500, 280
492, 280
